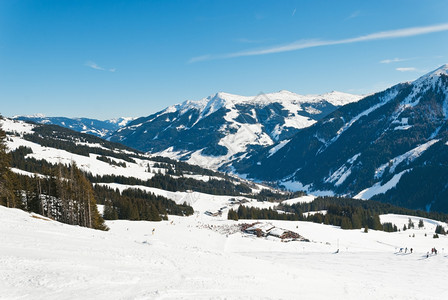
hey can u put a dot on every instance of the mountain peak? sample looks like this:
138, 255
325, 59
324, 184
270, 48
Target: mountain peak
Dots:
433, 75
442, 70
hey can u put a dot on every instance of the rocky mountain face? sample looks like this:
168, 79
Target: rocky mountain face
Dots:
390, 146
103, 129
223, 128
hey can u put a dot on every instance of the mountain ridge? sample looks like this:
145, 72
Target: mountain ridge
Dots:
223, 126
99, 128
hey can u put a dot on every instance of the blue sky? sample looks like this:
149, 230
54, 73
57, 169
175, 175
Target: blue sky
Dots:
106, 59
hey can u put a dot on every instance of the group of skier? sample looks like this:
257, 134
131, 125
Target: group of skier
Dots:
433, 252
406, 250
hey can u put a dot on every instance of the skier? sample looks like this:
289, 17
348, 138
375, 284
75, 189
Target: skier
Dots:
153, 230
411, 250
406, 250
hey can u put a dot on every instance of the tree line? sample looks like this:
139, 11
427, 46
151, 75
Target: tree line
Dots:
169, 183
135, 204
344, 212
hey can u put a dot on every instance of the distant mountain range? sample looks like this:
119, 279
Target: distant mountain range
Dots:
222, 128
390, 146
103, 129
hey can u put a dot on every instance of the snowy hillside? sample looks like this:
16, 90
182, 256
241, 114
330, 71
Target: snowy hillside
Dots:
201, 257
109, 164
218, 129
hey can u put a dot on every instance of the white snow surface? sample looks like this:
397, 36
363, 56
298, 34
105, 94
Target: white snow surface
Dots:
201, 257
29, 174
89, 164
378, 188
212, 103
123, 121
277, 147
16, 127
292, 185
303, 199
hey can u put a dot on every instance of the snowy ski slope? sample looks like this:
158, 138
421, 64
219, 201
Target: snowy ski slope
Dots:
199, 257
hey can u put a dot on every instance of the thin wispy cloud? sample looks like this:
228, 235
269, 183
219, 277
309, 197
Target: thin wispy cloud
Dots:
304, 44
93, 65
354, 15
407, 69
393, 60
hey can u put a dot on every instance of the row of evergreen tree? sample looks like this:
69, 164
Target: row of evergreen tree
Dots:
344, 212
375, 207
335, 216
170, 183
135, 204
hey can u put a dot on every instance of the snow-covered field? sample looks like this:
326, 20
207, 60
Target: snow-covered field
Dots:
200, 257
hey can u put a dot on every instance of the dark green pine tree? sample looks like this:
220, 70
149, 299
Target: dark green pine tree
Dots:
440, 230
410, 224
232, 215
110, 212
154, 214
356, 221
346, 223
420, 224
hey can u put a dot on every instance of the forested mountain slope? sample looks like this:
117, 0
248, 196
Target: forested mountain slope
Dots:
391, 146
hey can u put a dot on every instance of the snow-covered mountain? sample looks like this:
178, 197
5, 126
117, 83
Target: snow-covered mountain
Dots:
390, 146
223, 127
103, 129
